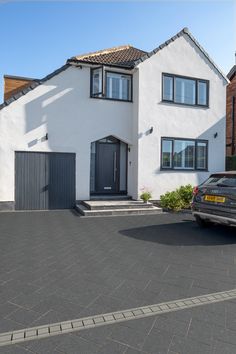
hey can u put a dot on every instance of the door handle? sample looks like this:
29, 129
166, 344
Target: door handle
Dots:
114, 168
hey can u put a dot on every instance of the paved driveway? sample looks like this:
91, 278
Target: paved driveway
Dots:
56, 266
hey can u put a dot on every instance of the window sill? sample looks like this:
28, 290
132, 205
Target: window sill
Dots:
183, 170
111, 99
185, 104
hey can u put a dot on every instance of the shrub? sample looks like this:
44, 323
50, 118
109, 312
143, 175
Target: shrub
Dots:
186, 194
178, 199
145, 196
171, 200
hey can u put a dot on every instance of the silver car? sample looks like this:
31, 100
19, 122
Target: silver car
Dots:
214, 201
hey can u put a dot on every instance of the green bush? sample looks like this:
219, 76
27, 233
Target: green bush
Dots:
178, 199
145, 196
186, 194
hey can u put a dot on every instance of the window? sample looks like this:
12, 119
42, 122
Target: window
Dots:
224, 180
167, 153
97, 80
202, 93
185, 91
168, 88
201, 155
117, 86
184, 154
182, 90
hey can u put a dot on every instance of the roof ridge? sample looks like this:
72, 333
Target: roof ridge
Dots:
186, 31
104, 51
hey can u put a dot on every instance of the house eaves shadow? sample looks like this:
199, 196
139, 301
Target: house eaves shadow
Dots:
185, 233
41, 110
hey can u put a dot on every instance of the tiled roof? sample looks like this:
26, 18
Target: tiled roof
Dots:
123, 56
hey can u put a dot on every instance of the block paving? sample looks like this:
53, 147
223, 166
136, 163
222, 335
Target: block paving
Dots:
56, 266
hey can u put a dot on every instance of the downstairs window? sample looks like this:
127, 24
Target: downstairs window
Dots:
184, 154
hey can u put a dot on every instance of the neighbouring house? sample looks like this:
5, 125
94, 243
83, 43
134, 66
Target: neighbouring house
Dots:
231, 113
114, 122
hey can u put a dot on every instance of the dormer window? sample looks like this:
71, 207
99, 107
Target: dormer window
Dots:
97, 82
111, 85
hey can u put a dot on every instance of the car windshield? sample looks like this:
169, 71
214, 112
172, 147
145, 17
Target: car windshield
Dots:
221, 180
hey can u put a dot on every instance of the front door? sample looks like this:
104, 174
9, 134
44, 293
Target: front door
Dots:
107, 167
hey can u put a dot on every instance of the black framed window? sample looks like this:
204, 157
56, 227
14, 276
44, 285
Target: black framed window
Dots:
184, 154
97, 82
111, 85
185, 90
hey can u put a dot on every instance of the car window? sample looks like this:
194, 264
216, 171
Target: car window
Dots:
227, 180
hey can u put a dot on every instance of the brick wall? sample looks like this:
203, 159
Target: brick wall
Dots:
231, 91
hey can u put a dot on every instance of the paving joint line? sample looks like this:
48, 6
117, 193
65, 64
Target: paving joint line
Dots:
53, 329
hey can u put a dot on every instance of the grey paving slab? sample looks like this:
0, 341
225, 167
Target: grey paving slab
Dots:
127, 261
113, 347
184, 345
158, 342
128, 336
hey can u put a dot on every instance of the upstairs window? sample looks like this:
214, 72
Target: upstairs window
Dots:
111, 85
184, 90
118, 86
97, 82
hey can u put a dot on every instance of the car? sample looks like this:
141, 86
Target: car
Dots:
214, 201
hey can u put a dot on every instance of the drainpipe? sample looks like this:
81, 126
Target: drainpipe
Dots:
233, 125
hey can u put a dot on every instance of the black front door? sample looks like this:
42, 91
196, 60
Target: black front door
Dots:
107, 167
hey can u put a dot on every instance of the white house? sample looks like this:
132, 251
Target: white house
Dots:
114, 122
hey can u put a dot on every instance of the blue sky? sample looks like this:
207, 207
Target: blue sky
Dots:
38, 37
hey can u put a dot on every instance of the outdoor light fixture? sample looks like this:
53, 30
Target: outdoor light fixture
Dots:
215, 135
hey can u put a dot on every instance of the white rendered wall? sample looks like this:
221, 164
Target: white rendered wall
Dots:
61, 107
172, 120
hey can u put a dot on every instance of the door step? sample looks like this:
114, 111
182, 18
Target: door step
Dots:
108, 208
110, 197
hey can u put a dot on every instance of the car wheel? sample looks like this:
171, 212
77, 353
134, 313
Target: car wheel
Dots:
202, 222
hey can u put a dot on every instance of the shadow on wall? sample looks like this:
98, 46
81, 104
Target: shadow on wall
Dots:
186, 233
43, 111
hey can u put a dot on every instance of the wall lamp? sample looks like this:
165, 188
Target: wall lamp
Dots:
215, 135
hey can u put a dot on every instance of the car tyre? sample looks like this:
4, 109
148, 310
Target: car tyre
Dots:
202, 222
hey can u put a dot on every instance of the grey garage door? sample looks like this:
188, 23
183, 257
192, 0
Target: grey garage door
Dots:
44, 180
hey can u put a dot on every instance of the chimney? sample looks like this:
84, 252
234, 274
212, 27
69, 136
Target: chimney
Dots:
14, 84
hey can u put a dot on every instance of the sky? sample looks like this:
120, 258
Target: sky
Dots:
38, 36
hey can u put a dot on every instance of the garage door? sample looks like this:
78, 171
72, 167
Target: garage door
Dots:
44, 180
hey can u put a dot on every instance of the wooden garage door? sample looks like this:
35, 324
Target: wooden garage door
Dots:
44, 180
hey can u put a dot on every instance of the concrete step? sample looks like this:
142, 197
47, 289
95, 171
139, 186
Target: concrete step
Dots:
112, 212
115, 204
110, 197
